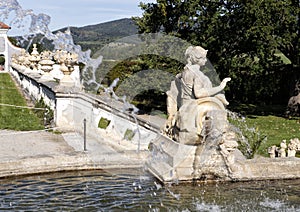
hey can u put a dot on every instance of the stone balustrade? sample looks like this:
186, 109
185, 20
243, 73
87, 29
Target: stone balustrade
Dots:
55, 78
60, 66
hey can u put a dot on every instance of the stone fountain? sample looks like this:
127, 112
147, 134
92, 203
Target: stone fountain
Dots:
197, 142
190, 147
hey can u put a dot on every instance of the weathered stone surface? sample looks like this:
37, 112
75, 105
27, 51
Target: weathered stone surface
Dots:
207, 162
170, 159
293, 107
267, 168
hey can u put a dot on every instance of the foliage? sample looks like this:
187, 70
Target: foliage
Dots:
94, 37
131, 66
15, 118
2, 60
275, 128
144, 79
47, 115
242, 37
249, 137
150, 101
14, 41
256, 132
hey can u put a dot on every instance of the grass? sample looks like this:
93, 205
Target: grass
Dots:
11, 117
275, 128
266, 125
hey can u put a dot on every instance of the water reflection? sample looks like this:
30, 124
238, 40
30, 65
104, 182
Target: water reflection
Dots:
133, 191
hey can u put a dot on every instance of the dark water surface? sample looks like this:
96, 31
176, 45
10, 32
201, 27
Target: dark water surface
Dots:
122, 190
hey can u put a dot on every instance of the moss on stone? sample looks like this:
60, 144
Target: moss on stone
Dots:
129, 134
103, 123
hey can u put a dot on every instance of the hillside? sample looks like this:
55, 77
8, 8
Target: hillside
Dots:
94, 37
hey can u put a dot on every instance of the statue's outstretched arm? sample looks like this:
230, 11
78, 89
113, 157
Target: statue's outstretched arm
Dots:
206, 92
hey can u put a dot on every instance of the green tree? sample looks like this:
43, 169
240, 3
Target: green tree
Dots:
2, 60
14, 41
40, 47
243, 38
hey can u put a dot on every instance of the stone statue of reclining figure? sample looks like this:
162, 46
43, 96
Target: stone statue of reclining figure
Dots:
193, 102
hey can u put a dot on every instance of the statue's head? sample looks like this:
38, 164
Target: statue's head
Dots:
196, 55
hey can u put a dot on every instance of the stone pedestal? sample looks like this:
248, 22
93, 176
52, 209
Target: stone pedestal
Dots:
172, 161
47, 77
67, 81
56, 73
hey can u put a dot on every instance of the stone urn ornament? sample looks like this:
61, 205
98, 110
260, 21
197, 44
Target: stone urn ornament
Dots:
22, 60
67, 61
46, 64
46, 61
34, 58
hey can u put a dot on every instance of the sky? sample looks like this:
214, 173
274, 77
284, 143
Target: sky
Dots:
83, 12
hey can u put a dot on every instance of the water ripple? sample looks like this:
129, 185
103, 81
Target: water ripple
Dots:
102, 191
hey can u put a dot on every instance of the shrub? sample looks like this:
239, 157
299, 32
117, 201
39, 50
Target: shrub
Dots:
2, 60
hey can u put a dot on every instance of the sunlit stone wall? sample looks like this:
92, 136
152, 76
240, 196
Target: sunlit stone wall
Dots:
104, 117
34, 89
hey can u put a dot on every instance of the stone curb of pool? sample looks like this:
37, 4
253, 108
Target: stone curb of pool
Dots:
104, 158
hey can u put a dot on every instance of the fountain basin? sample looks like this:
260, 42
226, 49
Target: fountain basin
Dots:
126, 190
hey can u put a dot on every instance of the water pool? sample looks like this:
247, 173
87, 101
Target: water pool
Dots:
129, 190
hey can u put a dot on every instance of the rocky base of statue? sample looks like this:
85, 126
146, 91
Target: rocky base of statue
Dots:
214, 160
215, 157
188, 124
293, 108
